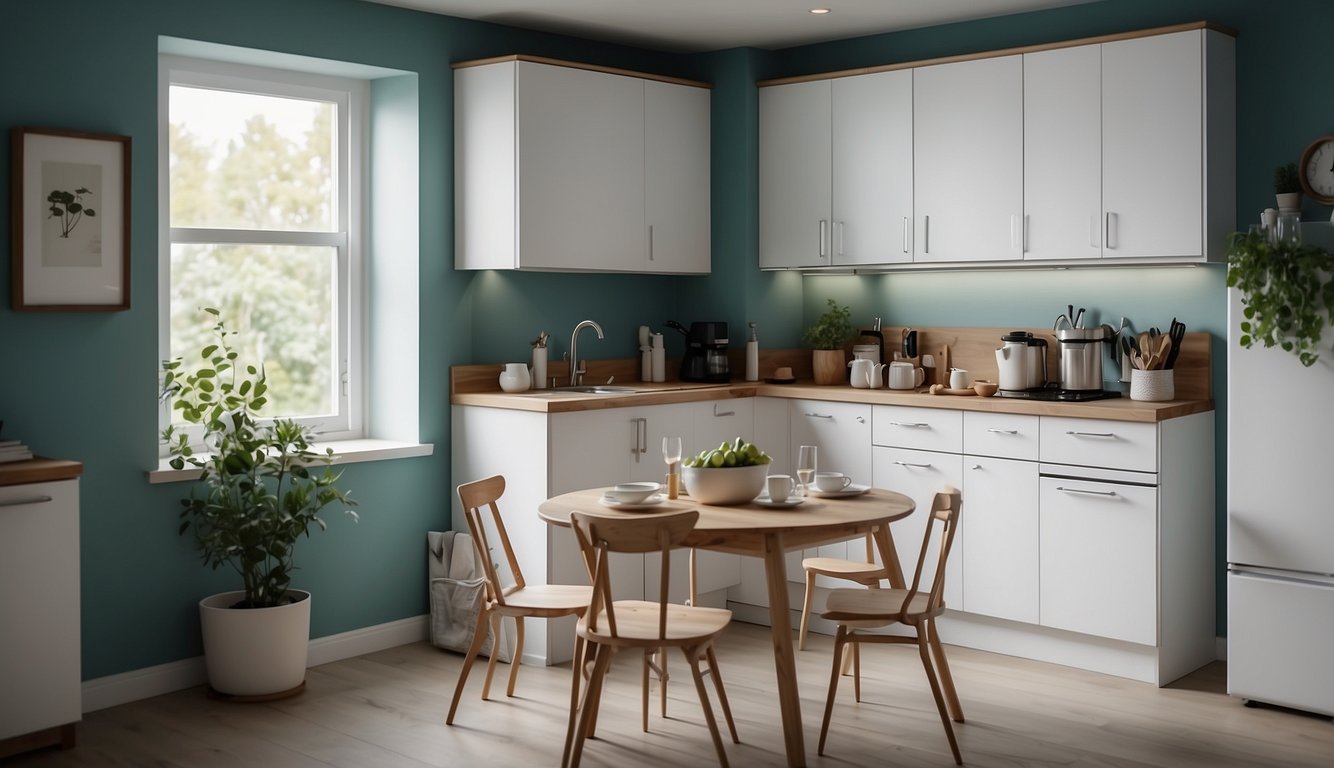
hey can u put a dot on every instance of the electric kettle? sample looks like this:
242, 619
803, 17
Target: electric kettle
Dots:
1022, 361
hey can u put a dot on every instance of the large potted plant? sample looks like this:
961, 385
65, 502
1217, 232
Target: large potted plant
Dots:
257, 494
828, 336
1287, 293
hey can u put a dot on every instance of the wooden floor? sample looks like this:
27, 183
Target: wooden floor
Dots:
388, 708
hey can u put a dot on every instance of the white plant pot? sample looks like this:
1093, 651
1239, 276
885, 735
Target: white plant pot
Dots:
255, 652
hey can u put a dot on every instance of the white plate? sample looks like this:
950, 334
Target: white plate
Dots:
651, 501
791, 501
851, 490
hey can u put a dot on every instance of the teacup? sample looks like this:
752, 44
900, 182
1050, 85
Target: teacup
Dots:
779, 487
831, 482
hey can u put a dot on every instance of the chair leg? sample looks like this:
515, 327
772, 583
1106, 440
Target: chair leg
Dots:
806, 610
576, 674
722, 694
518, 654
946, 679
643, 709
857, 672
692, 656
846, 665
662, 682
840, 641
924, 649
478, 635
588, 712
496, 625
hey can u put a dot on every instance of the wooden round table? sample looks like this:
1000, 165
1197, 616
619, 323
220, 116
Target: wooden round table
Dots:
750, 529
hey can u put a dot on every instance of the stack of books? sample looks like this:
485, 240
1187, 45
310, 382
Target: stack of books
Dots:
13, 450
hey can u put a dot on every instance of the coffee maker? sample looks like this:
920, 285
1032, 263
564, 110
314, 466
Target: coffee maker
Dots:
705, 359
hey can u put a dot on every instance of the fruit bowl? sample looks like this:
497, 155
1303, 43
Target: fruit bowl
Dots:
724, 485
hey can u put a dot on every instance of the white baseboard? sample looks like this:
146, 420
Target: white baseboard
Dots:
125, 687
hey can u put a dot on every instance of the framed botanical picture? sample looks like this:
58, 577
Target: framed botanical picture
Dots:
70, 201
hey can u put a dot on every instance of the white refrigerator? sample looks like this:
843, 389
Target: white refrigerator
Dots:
1280, 520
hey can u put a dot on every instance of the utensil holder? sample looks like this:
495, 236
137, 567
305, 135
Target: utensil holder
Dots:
1152, 386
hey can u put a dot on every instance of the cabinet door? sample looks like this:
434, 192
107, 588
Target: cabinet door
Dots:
795, 175
581, 169
968, 141
1099, 559
676, 163
841, 433
655, 423
1152, 107
920, 475
872, 168
999, 528
1063, 153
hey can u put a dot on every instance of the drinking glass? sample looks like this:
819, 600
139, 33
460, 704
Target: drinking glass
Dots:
805, 467
671, 453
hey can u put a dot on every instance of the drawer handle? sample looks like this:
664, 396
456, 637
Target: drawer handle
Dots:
910, 464
820, 416
977, 466
1091, 434
724, 413
1003, 431
913, 424
22, 502
1089, 493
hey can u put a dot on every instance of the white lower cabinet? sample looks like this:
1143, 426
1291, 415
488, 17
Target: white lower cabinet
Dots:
920, 475
999, 532
841, 433
1099, 558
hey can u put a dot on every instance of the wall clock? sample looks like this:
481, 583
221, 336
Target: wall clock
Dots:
1317, 170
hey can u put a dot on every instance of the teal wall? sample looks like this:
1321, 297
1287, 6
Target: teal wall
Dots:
81, 386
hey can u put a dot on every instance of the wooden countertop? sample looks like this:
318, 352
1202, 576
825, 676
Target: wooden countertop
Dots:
1119, 409
38, 470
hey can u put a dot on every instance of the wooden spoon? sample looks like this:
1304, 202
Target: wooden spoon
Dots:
1164, 349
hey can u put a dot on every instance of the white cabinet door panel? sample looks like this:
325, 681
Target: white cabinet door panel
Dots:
795, 174
920, 475
999, 528
676, 163
872, 168
841, 433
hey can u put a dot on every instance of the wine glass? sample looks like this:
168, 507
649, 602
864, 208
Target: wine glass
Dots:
805, 467
671, 453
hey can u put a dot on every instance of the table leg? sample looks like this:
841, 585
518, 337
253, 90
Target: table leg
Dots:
889, 556
785, 662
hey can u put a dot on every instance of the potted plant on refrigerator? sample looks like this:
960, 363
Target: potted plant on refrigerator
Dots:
828, 336
1287, 188
260, 489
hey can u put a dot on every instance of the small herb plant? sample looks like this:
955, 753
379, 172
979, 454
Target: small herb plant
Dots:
832, 329
259, 494
69, 208
1286, 179
1286, 291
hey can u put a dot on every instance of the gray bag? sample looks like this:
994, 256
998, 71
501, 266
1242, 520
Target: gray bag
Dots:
457, 591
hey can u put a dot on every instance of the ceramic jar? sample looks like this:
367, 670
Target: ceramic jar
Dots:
515, 378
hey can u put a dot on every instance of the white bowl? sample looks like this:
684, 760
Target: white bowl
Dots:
632, 493
724, 485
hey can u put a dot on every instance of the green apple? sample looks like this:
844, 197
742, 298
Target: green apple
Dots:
716, 459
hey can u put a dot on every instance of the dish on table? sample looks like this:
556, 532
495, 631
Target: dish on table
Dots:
763, 500
631, 493
650, 502
851, 490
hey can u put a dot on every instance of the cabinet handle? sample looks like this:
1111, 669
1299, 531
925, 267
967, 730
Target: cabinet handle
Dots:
910, 464
1088, 493
913, 424
1003, 431
907, 244
1091, 434
977, 466
22, 502
823, 225
1110, 236
926, 234
1093, 231
718, 415
640, 448
861, 420
650, 242
838, 233
1014, 231
1023, 236
819, 416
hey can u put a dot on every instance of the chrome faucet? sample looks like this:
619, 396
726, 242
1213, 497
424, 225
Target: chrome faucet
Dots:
577, 369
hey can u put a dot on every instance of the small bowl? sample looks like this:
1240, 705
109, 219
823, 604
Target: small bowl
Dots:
632, 493
985, 388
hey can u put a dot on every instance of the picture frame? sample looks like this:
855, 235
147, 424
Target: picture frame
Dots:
70, 221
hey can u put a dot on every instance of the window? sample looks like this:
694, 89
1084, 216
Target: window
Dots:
262, 202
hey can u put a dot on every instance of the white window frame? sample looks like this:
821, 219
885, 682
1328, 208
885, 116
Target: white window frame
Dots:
351, 96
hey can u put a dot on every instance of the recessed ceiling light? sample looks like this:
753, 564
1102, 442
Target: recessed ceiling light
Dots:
819, 11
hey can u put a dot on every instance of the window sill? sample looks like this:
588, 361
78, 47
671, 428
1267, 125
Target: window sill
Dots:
345, 452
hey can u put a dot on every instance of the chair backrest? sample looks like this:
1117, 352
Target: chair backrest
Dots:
476, 496
944, 510
599, 535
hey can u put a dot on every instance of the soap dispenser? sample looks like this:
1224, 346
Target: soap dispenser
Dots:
752, 356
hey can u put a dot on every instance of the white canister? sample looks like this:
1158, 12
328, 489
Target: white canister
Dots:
1152, 386
861, 373
958, 378
515, 378
539, 367
659, 358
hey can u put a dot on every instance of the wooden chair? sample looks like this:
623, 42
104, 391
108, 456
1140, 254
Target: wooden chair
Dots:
864, 572
519, 599
610, 625
856, 609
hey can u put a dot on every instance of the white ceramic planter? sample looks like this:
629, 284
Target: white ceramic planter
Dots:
255, 652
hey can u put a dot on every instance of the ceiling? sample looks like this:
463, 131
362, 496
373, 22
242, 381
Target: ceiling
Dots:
692, 26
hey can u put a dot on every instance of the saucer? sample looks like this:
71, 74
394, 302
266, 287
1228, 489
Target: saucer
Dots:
763, 500
851, 490
648, 503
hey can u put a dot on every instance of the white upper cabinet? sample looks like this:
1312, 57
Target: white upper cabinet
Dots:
1063, 153
796, 174
968, 141
564, 168
836, 171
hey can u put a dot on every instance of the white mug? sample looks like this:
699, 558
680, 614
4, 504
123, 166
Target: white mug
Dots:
861, 373
778, 486
958, 378
831, 482
902, 375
